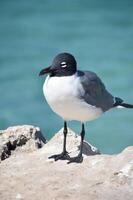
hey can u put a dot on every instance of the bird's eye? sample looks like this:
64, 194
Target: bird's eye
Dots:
63, 64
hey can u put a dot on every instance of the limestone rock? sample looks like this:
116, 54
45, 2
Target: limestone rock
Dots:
33, 176
73, 144
27, 137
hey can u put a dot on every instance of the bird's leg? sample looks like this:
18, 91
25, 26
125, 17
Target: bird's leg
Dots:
65, 135
79, 158
64, 155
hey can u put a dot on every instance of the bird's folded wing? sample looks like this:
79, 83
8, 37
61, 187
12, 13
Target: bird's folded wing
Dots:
95, 91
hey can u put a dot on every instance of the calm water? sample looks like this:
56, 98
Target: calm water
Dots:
98, 33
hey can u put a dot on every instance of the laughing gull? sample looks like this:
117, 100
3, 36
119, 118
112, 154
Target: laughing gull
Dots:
76, 95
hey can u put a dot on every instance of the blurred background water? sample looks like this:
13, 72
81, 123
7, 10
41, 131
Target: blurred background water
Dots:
98, 33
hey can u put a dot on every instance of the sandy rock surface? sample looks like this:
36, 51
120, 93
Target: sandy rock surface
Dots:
30, 175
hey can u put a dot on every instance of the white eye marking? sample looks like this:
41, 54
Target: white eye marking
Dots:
63, 64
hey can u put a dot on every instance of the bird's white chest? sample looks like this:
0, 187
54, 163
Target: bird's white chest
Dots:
63, 96
60, 90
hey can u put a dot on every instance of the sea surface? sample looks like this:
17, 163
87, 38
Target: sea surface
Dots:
98, 33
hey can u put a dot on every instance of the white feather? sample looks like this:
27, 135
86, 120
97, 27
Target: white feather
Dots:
63, 96
120, 107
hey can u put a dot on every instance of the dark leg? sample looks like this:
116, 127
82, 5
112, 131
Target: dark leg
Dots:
65, 135
64, 155
79, 158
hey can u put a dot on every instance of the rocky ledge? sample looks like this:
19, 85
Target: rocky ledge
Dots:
27, 173
27, 137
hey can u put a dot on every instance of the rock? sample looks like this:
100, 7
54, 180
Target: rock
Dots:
33, 176
29, 137
73, 144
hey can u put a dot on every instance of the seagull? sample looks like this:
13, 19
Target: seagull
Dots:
76, 95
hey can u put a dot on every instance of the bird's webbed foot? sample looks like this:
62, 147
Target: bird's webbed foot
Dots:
76, 159
61, 156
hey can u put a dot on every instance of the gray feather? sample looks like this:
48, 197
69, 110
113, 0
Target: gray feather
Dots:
95, 91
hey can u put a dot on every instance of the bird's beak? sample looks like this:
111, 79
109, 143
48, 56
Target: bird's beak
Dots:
45, 71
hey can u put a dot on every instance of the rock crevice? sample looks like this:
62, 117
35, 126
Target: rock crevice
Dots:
18, 136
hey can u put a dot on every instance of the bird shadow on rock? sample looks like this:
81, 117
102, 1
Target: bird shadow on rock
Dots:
89, 150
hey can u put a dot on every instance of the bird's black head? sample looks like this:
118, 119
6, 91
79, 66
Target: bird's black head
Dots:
64, 64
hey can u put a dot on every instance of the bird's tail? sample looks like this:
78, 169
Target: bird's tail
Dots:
120, 103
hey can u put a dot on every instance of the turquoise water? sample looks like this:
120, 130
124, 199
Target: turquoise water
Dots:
98, 33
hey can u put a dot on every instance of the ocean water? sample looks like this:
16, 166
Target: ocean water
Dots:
98, 33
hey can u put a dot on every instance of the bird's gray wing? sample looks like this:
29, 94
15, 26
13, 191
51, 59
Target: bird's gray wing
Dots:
95, 91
